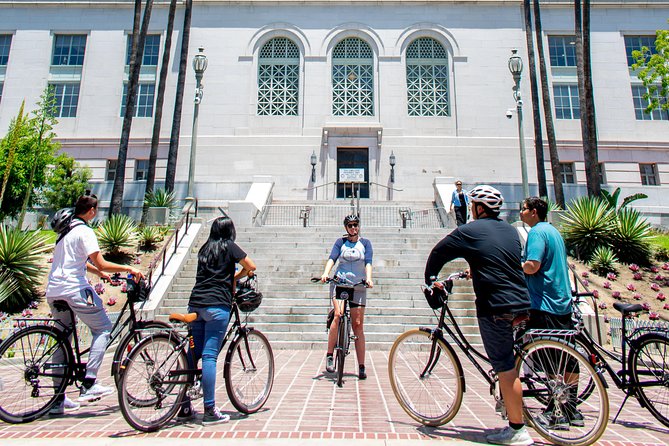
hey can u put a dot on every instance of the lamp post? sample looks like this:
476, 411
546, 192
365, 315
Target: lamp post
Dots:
392, 162
199, 65
516, 69
312, 160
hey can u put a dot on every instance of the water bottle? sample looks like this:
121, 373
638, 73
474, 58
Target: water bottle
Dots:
131, 285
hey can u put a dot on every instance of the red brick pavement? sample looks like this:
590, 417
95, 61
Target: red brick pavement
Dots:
306, 404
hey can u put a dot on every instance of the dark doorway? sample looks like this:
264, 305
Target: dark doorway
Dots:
352, 172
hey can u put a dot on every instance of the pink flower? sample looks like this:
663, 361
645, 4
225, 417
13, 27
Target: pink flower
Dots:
661, 297
653, 316
659, 277
637, 276
585, 274
602, 305
111, 301
631, 287
634, 267
666, 307
654, 269
27, 313
138, 260
654, 287
607, 284
124, 287
637, 296
595, 294
616, 294
611, 276
99, 288
49, 260
665, 267
645, 306
586, 282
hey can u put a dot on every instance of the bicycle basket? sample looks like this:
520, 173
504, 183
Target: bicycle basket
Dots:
138, 292
248, 297
344, 292
436, 297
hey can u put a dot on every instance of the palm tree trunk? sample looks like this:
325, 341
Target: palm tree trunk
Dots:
586, 97
536, 112
136, 54
548, 111
158, 117
178, 101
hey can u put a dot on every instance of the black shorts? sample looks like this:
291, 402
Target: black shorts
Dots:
551, 358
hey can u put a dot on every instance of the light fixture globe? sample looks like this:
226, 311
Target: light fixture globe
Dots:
200, 62
515, 63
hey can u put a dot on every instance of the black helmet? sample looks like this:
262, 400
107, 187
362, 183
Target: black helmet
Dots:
351, 218
248, 297
62, 219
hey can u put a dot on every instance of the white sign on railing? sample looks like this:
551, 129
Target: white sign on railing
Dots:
351, 175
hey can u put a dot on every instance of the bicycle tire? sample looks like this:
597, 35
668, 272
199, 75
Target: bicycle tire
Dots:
147, 396
340, 350
434, 399
547, 363
249, 372
24, 358
127, 342
649, 364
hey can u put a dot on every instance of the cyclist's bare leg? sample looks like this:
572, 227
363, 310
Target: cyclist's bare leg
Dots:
357, 322
332, 336
512, 393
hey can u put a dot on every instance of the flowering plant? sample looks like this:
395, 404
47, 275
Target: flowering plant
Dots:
661, 297
637, 276
654, 269
653, 316
637, 296
654, 287
111, 301
603, 306
611, 276
645, 306
99, 288
607, 284
631, 287
585, 274
616, 294
595, 294
634, 267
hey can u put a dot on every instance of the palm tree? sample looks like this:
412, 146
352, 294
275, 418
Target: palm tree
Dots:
536, 112
164, 68
136, 55
586, 97
178, 101
548, 111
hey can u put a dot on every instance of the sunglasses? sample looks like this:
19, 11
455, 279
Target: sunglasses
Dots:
352, 225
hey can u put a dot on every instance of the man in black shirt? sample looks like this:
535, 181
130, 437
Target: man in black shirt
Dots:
493, 250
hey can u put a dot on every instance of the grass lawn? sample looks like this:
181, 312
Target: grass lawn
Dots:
661, 240
51, 236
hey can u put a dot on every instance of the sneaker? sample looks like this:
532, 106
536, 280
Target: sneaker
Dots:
361, 372
214, 416
65, 406
511, 437
185, 414
329, 364
576, 418
552, 420
95, 392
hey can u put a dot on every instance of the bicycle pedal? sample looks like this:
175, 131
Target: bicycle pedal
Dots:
354, 338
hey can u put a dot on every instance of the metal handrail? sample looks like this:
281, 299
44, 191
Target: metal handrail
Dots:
320, 185
387, 187
161, 257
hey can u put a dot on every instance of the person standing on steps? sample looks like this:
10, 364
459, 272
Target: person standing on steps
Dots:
354, 254
460, 204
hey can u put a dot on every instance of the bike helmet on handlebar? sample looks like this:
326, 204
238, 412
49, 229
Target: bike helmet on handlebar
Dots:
488, 196
351, 219
247, 296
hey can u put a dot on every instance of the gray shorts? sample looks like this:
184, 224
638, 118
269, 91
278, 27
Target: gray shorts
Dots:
359, 295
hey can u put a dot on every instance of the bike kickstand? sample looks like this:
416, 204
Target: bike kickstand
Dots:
621, 407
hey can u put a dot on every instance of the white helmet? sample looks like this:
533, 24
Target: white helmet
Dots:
488, 196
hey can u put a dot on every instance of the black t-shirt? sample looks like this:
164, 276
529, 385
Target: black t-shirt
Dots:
213, 283
493, 250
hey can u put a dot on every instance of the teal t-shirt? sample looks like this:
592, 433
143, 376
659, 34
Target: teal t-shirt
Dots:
549, 287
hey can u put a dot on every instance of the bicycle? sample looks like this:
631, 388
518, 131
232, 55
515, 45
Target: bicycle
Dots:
160, 371
428, 380
644, 358
344, 292
38, 362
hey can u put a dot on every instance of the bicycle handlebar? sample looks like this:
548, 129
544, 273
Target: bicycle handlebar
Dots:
339, 281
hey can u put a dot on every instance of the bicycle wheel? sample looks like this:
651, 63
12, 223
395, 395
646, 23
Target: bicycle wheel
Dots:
340, 349
553, 372
249, 371
35, 367
649, 363
429, 387
153, 383
128, 341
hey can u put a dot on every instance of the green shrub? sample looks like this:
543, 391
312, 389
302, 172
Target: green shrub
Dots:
160, 198
587, 225
661, 254
149, 236
66, 182
603, 261
21, 267
117, 233
631, 238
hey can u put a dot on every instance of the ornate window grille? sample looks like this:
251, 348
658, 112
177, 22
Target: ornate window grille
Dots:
278, 78
352, 78
427, 78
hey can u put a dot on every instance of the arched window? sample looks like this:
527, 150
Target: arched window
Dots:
278, 78
427, 78
352, 78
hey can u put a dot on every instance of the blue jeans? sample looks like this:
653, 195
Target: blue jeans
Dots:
208, 333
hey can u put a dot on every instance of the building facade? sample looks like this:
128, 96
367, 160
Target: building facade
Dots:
349, 82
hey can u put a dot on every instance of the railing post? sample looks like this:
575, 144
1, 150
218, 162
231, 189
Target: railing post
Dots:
304, 216
176, 240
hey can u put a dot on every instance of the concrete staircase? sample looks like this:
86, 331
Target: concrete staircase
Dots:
294, 310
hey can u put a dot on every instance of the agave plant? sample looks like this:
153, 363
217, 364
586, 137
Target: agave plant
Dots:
160, 198
612, 199
603, 261
20, 267
586, 226
116, 233
149, 236
552, 206
631, 237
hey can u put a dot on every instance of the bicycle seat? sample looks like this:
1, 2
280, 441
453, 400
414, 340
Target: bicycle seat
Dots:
185, 318
627, 308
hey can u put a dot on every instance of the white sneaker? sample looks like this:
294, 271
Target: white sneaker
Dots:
95, 392
65, 406
214, 416
511, 437
329, 364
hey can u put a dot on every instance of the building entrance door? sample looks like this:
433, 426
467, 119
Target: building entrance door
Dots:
352, 171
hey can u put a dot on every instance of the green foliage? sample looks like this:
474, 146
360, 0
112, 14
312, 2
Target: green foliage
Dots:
612, 199
603, 261
66, 182
661, 254
8, 145
160, 198
653, 71
21, 267
586, 226
631, 237
117, 233
149, 236
552, 206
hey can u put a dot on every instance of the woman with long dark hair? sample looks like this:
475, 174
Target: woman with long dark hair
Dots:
211, 299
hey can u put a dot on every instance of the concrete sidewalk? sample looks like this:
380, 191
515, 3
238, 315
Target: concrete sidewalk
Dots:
306, 407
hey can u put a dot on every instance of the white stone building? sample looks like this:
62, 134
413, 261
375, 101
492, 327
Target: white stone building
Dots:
349, 81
